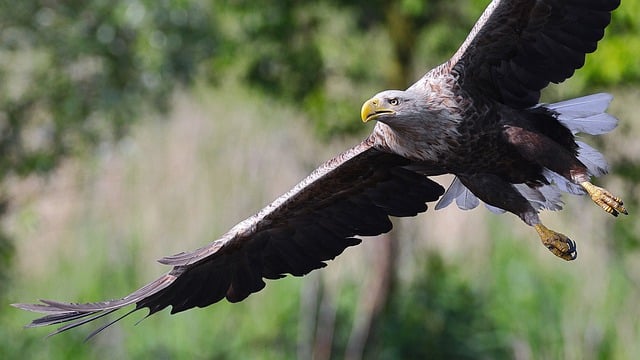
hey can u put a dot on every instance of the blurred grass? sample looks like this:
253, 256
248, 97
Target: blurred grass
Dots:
95, 228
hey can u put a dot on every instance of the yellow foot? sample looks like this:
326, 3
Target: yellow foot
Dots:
560, 245
603, 198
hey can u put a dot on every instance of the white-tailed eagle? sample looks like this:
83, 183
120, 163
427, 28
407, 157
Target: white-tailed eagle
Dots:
476, 116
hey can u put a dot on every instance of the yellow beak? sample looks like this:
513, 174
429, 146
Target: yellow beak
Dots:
373, 108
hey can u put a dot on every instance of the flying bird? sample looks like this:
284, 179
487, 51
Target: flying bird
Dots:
476, 116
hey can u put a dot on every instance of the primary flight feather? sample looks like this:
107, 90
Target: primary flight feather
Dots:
475, 116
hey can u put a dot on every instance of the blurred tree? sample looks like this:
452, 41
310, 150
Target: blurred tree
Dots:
437, 316
77, 73
287, 58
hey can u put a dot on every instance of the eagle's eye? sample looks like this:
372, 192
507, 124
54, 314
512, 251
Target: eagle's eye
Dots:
394, 101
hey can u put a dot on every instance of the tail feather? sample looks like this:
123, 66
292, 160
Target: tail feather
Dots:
562, 183
543, 197
586, 114
495, 209
592, 159
467, 200
553, 197
453, 191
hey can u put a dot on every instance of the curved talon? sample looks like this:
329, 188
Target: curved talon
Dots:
573, 250
603, 198
559, 244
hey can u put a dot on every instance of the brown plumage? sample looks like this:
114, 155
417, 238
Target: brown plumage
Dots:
476, 116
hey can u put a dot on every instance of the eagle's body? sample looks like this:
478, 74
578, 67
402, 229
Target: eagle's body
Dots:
475, 116
488, 145
460, 133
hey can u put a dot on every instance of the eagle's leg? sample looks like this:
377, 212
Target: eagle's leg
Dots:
495, 191
540, 149
559, 244
603, 198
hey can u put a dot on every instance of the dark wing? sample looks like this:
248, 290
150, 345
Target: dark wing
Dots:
518, 46
351, 194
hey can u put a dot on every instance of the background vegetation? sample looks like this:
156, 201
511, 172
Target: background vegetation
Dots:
130, 130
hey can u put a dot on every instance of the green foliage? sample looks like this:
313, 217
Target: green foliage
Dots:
284, 59
438, 316
553, 309
75, 73
616, 58
96, 63
7, 251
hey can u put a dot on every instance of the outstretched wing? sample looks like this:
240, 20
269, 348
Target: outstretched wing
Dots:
349, 195
518, 46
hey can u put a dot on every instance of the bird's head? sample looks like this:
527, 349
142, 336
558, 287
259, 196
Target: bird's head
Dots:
391, 106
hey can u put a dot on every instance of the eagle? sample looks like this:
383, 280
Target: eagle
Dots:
476, 116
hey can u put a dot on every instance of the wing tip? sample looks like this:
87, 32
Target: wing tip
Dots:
77, 314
